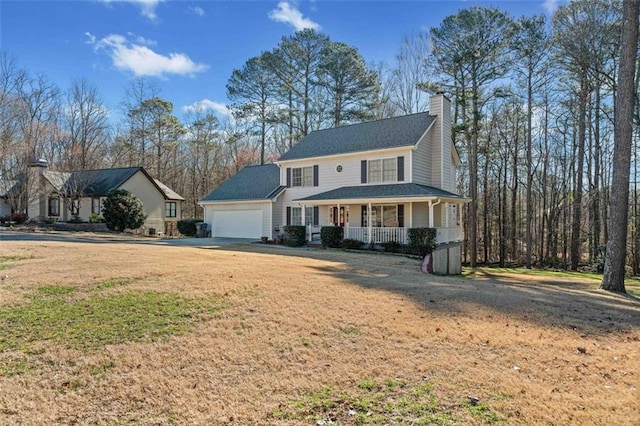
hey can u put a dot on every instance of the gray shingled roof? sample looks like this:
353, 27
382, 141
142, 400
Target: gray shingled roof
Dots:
402, 190
169, 193
250, 183
388, 133
100, 182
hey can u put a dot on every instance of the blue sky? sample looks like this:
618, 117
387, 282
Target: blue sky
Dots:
188, 49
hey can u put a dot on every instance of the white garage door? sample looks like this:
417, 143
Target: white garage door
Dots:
237, 224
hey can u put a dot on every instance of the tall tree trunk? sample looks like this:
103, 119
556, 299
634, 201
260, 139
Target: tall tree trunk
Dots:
596, 177
529, 200
614, 267
576, 246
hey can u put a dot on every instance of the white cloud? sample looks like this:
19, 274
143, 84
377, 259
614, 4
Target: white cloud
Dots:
141, 60
197, 10
207, 105
289, 14
147, 7
550, 6
92, 38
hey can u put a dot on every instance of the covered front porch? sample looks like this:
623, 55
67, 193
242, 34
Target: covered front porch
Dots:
384, 218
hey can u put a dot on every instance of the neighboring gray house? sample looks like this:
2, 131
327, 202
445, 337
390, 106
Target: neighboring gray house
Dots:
375, 179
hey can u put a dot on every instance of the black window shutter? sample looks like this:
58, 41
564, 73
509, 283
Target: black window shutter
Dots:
364, 216
363, 171
288, 216
315, 175
288, 177
400, 169
316, 215
401, 215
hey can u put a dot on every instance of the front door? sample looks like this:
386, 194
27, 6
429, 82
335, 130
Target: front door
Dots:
339, 218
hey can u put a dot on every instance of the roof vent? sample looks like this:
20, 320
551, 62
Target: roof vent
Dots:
41, 162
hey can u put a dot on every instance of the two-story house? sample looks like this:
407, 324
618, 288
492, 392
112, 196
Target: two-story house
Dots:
375, 179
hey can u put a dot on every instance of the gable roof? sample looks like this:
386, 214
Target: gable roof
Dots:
8, 187
169, 193
99, 182
393, 190
380, 134
249, 184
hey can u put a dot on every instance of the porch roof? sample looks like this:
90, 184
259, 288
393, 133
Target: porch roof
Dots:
410, 191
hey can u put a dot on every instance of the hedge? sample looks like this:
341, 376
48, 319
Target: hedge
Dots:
331, 236
352, 244
295, 235
422, 241
187, 227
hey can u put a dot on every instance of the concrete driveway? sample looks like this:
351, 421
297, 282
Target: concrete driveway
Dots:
9, 234
201, 242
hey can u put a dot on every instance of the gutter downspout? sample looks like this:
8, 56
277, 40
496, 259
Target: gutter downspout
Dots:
431, 206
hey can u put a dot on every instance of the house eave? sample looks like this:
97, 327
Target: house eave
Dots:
349, 154
384, 200
237, 201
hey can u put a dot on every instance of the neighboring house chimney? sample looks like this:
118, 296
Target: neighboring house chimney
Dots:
36, 196
441, 175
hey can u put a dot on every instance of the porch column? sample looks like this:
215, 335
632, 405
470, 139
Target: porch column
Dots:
369, 224
430, 214
447, 222
410, 221
303, 221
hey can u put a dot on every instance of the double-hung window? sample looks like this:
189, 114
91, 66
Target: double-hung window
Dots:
384, 215
302, 176
75, 207
296, 216
171, 209
308, 216
95, 205
54, 206
383, 170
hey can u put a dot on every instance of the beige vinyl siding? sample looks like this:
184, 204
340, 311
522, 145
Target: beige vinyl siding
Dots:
276, 216
85, 208
435, 107
443, 170
420, 215
153, 201
421, 160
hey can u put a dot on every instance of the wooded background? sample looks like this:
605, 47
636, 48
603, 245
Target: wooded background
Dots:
533, 123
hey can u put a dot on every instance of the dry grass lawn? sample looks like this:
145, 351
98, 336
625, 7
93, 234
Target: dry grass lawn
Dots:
269, 335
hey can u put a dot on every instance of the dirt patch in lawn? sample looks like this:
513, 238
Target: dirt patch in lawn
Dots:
307, 336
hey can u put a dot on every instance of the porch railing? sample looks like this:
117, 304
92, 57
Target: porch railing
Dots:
383, 235
379, 235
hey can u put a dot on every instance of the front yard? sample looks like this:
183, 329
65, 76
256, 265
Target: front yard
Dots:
121, 333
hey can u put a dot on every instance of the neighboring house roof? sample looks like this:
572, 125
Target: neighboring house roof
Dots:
404, 190
380, 134
251, 183
7, 187
93, 183
169, 193
57, 179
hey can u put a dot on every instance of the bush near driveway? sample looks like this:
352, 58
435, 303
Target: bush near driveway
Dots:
123, 210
